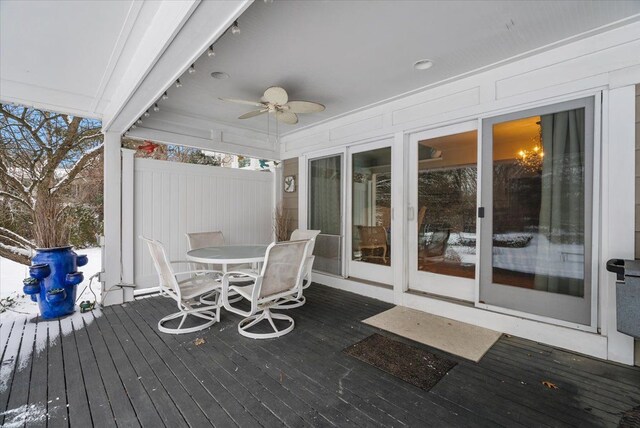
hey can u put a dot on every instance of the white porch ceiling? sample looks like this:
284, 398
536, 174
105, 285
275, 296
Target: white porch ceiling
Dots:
67, 56
352, 54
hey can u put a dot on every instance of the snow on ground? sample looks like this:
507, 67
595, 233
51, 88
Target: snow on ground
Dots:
539, 256
26, 414
12, 274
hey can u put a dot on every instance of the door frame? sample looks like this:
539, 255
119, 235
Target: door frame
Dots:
593, 108
356, 269
428, 282
303, 203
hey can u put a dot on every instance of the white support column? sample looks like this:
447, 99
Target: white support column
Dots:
127, 221
277, 195
618, 212
398, 218
302, 187
112, 267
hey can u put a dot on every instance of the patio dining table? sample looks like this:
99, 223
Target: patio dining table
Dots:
229, 254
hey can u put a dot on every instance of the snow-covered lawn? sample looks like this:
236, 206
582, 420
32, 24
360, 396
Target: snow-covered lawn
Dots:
12, 274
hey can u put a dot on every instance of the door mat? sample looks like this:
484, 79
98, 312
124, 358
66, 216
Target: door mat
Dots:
455, 337
630, 419
415, 366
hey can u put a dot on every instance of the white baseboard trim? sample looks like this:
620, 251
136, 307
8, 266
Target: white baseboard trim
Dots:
369, 290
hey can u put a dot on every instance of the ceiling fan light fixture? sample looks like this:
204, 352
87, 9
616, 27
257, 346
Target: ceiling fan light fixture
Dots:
146, 113
139, 121
178, 84
423, 64
235, 28
156, 108
165, 96
221, 75
192, 69
211, 52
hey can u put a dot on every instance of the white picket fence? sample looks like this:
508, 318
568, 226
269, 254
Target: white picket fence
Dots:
171, 199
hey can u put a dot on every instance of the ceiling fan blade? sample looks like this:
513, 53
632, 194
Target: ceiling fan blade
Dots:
276, 95
237, 101
287, 117
304, 107
253, 113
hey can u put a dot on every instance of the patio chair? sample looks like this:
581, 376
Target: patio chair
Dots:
299, 300
185, 292
197, 240
372, 238
281, 277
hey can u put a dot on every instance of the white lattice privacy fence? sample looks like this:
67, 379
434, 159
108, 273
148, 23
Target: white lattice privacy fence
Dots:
171, 199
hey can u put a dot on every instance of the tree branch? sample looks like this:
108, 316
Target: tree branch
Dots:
78, 167
9, 252
16, 198
16, 238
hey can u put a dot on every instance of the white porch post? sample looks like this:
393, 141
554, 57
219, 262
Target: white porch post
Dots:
618, 190
128, 237
112, 261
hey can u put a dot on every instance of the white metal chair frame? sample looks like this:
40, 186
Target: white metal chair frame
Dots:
261, 306
299, 299
185, 292
197, 240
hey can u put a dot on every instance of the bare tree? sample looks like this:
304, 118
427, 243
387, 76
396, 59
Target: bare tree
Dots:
41, 154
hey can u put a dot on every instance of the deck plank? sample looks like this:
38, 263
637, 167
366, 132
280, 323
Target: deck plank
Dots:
9, 362
239, 403
79, 413
189, 408
57, 411
146, 412
125, 415
102, 414
38, 382
115, 367
190, 381
22, 376
162, 401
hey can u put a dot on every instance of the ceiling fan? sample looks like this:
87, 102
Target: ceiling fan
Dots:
276, 100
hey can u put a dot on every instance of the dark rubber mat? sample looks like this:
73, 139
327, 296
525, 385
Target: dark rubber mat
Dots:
631, 418
413, 365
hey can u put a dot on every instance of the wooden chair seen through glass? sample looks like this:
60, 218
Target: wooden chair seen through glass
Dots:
371, 206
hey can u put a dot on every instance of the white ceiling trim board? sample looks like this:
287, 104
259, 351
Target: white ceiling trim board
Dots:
198, 28
167, 23
116, 53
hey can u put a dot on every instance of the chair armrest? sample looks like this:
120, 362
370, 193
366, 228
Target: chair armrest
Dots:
197, 271
248, 273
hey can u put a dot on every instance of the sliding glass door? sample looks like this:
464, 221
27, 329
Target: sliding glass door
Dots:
441, 227
325, 211
370, 201
537, 201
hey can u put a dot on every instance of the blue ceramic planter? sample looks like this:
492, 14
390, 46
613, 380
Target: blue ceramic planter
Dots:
54, 280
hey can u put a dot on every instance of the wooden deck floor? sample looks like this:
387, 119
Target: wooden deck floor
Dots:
114, 369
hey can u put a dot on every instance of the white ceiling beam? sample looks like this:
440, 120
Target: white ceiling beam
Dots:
179, 35
116, 52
